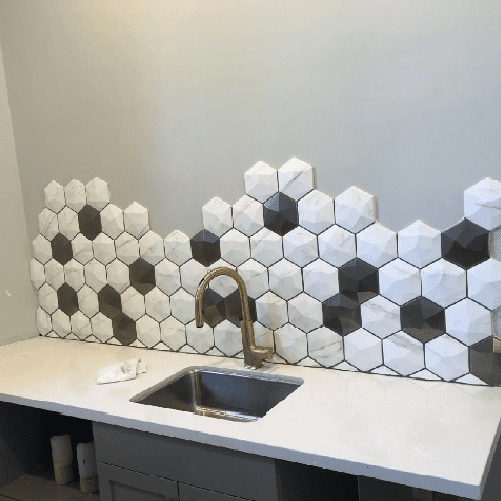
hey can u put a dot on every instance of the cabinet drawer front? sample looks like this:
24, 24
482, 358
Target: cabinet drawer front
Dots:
189, 493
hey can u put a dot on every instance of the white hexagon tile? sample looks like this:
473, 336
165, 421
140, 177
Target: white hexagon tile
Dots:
295, 178
261, 181
248, 215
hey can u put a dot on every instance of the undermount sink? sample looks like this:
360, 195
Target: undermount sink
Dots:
220, 393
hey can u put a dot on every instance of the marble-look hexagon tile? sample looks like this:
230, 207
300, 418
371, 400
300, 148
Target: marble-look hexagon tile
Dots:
443, 282
182, 306
52, 334
88, 301
320, 280
295, 178
495, 244
127, 248
95, 275
255, 276
112, 221
133, 303
157, 304
363, 350
399, 281
202, 339
235, 247
74, 274
300, 246
403, 353
191, 274
446, 357
263, 335
271, 310
82, 249
136, 220
117, 275
471, 380
325, 346
104, 249
102, 327
148, 331
61, 323
54, 196
355, 209
216, 216
42, 250
285, 279
308, 362
383, 370
484, 283
266, 247
482, 203
222, 285
54, 273
419, 244
75, 195
291, 343
80, 325
337, 246
167, 276
48, 224
261, 181
44, 322
173, 333
214, 352
151, 247
305, 312
37, 273
380, 316
248, 215
316, 211
98, 195
162, 347
377, 245
177, 247
188, 349
68, 223
468, 321
137, 344
228, 338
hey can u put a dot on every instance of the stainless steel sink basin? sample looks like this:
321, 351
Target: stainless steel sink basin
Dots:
220, 393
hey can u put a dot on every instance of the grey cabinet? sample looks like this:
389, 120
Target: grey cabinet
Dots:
190, 493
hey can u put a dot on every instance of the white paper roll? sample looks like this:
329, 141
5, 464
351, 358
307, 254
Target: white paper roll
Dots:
86, 457
62, 457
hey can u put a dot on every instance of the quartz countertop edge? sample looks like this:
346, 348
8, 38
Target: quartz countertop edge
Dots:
428, 434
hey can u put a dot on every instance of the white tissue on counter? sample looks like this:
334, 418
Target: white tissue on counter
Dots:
123, 371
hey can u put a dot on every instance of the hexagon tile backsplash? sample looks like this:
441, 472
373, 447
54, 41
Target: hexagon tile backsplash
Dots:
328, 285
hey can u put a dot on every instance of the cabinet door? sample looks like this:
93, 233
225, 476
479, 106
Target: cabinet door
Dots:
189, 493
118, 484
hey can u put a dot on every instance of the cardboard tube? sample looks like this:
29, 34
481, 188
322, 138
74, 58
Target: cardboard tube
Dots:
62, 457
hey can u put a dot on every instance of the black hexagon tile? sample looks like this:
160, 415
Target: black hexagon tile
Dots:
213, 308
142, 276
341, 314
205, 247
61, 249
89, 221
358, 280
233, 308
67, 299
485, 360
280, 214
422, 319
110, 303
124, 329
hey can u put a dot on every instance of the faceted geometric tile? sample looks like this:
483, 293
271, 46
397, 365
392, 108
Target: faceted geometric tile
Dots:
495, 243
484, 283
192, 272
173, 333
426, 375
61, 249
446, 357
167, 276
266, 247
68, 223
316, 211
42, 249
47, 297
341, 314
271, 310
37, 273
358, 280
308, 362
88, 301
496, 323
377, 245
44, 322
285, 279
136, 220
228, 338
399, 281
468, 321
89, 221
151, 247
177, 247
248, 215
67, 299
124, 329
325, 346
112, 220
465, 244
295, 178
300, 246
102, 327
443, 282
280, 214
188, 349
363, 350
337, 246
47, 222
222, 284
305, 312
205, 247
216, 216
213, 308
422, 319
110, 304
380, 316
485, 361
127, 248
61, 323
54, 273
320, 280
82, 249
54, 197
117, 274
104, 248
291, 343
80, 325
95, 275
97, 193
383, 370
345, 366
419, 244
261, 181
263, 336
482, 203
148, 331
201, 339
235, 247
157, 304
233, 308
470, 379
74, 193
255, 276
74, 274
182, 305
403, 353
133, 303
355, 209
142, 276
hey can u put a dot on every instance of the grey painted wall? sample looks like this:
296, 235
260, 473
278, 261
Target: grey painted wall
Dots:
171, 102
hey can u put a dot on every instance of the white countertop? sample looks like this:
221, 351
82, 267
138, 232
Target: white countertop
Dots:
434, 435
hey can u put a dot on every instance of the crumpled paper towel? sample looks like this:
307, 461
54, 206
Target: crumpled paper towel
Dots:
123, 371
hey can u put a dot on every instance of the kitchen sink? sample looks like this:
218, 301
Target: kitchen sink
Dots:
220, 393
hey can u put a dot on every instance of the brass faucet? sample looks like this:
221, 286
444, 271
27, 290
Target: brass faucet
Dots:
253, 355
